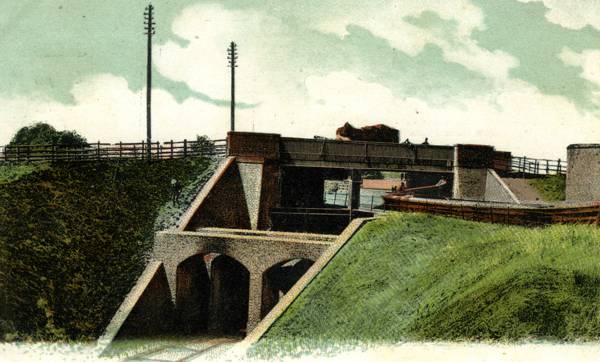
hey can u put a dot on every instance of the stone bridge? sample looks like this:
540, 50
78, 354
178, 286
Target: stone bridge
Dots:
226, 265
214, 280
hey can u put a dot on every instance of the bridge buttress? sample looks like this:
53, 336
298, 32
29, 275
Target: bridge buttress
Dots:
471, 163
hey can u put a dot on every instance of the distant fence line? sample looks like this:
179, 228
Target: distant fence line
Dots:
106, 151
538, 166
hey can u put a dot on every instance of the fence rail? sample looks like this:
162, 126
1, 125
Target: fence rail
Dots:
503, 214
538, 166
107, 151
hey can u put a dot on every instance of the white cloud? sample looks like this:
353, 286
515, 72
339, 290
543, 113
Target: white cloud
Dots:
516, 118
202, 63
106, 109
572, 14
588, 60
385, 19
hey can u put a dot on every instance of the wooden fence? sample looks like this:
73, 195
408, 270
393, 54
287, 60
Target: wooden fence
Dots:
528, 216
107, 151
538, 166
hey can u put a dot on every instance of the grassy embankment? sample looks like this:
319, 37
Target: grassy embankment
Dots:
74, 238
551, 188
415, 277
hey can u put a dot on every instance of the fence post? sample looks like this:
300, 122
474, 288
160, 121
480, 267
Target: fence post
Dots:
120, 149
143, 149
18, 153
158, 150
372, 199
334, 197
171, 148
558, 172
547, 168
98, 151
185, 148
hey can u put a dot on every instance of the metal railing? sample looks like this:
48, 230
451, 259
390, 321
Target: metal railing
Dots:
375, 153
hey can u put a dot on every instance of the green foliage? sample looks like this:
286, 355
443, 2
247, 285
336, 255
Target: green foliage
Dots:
203, 146
45, 134
11, 173
421, 277
551, 188
73, 240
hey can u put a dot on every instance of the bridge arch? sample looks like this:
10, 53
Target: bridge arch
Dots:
229, 286
279, 279
192, 295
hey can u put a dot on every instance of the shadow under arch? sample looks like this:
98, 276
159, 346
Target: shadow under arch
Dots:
279, 279
192, 295
230, 286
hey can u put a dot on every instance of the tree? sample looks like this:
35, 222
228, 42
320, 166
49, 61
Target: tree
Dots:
44, 134
203, 146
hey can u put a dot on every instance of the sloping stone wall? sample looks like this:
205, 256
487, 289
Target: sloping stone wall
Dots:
497, 190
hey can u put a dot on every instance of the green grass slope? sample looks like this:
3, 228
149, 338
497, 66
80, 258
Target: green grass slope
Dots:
420, 277
551, 188
74, 238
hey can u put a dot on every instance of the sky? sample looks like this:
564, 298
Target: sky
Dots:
521, 75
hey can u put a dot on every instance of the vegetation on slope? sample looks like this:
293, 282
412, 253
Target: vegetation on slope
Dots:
74, 237
421, 277
551, 188
11, 173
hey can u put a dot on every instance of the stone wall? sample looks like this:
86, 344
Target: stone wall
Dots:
471, 163
251, 182
497, 190
225, 205
257, 253
270, 196
583, 172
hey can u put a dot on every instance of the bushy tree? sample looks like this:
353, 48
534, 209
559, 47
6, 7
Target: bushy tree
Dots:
43, 134
203, 146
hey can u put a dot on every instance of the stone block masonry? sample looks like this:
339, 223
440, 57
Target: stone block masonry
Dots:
583, 172
169, 279
471, 163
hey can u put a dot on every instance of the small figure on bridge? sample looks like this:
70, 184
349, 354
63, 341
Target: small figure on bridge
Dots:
175, 190
426, 142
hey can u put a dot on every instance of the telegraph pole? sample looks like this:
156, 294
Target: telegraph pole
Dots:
150, 31
232, 57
